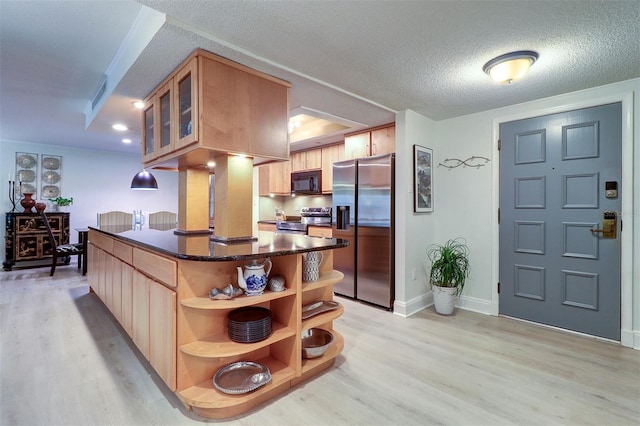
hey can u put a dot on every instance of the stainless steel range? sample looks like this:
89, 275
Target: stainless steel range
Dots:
291, 227
315, 215
308, 216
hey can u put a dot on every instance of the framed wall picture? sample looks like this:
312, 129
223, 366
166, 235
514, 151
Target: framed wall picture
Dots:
51, 175
422, 179
26, 174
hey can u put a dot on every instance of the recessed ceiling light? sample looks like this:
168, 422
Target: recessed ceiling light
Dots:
126, 140
138, 104
211, 164
120, 127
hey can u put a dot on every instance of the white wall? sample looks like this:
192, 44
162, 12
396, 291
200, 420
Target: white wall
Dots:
414, 231
466, 199
98, 182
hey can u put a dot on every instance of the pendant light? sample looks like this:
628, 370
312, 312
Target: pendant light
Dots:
510, 66
144, 180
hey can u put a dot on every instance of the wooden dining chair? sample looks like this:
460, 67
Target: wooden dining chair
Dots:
60, 250
163, 220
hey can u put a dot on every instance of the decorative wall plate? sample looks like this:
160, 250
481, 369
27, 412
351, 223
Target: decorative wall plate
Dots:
27, 188
26, 176
51, 163
50, 191
50, 177
26, 161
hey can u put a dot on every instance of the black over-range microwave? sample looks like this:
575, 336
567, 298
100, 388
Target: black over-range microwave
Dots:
308, 182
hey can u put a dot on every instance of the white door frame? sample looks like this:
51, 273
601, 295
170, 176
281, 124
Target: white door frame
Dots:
626, 194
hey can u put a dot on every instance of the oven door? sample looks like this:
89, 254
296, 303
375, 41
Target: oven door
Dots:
291, 228
290, 231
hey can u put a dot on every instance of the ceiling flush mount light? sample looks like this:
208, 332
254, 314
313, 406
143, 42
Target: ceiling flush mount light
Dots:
126, 140
119, 127
144, 180
138, 104
510, 66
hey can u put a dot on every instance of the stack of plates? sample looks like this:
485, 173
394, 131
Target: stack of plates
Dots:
250, 324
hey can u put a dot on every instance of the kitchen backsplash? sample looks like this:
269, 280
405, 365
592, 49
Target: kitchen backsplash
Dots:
290, 205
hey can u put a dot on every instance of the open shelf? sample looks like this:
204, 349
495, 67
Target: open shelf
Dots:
206, 302
326, 278
322, 318
205, 395
221, 346
333, 351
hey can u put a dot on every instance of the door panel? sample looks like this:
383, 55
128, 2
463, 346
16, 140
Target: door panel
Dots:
553, 268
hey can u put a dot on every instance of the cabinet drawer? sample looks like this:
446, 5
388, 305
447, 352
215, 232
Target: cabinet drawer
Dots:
320, 231
158, 267
34, 225
101, 241
123, 251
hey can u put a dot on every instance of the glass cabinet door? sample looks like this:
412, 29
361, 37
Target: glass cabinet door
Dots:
185, 91
165, 138
148, 129
186, 127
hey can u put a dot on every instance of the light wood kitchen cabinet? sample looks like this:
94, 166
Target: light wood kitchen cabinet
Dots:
148, 129
185, 106
184, 334
357, 146
330, 154
218, 106
383, 140
377, 141
306, 160
145, 308
127, 299
153, 325
268, 227
274, 178
313, 159
140, 312
157, 119
162, 332
319, 231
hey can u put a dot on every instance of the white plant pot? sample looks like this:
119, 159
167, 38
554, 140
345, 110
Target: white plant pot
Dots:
444, 299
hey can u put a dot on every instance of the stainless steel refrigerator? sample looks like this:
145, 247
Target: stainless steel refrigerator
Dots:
363, 214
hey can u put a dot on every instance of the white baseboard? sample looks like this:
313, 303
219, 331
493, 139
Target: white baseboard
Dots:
630, 339
481, 306
413, 306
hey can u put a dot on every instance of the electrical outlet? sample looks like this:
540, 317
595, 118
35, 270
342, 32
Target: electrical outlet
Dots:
413, 274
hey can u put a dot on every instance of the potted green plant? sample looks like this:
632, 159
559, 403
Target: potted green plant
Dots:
61, 202
449, 271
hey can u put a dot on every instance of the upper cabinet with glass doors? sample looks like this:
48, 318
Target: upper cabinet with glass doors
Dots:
148, 130
216, 105
157, 137
186, 103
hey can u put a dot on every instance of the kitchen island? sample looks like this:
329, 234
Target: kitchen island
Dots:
156, 284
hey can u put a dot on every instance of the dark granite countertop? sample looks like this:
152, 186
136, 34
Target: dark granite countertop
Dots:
202, 248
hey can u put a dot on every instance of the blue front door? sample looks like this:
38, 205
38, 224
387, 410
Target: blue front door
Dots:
557, 174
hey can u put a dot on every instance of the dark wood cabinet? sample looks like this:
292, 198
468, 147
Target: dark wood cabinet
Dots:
26, 239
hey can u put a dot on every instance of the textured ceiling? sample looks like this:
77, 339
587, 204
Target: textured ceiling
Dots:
361, 60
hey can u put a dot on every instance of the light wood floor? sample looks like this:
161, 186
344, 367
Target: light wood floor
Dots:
64, 360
